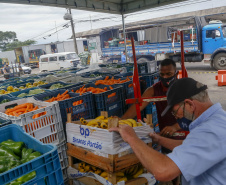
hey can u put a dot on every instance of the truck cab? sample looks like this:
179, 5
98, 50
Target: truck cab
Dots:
214, 44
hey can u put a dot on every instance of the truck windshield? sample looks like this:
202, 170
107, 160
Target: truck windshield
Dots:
71, 56
224, 31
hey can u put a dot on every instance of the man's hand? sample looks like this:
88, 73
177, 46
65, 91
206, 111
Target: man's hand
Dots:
169, 131
125, 131
155, 138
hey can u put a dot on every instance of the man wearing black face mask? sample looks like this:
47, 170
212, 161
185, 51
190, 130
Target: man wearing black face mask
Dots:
168, 124
201, 157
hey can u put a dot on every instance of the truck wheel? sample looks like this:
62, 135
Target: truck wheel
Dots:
219, 61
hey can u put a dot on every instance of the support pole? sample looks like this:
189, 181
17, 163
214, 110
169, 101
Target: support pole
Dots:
124, 34
184, 72
73, 32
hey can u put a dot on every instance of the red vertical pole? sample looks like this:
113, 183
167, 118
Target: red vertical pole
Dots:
136, 82
184, 71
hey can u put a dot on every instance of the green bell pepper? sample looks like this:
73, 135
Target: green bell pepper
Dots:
6, 151
26, 152
16, 147
30, 156
27, 177
7, 163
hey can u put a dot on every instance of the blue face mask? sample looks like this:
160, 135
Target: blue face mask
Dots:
184, 123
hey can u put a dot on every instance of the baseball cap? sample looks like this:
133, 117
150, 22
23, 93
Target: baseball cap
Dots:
180, 90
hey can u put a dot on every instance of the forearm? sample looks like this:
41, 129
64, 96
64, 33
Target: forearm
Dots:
156, 163
169, 143
131, 112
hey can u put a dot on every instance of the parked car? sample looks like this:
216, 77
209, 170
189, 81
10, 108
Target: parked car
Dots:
26, 69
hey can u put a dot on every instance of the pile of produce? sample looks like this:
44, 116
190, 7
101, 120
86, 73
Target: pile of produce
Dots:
128, 174
57, 86
60, 97
91, 89
102, 122
9, 90
4, 101
35, 84
13, 154
111, 81
31, 92
22, 109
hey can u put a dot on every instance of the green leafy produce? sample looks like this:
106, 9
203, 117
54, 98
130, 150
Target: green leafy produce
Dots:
35, 91
22, 95
4, 101
56, 86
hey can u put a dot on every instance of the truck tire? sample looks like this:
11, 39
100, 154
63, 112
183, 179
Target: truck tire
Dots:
219, 61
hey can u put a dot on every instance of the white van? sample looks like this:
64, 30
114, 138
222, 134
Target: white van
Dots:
58, 61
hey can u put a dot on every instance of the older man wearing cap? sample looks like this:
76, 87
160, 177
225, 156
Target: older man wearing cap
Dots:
201, 157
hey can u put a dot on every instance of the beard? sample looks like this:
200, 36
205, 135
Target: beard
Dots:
189, 115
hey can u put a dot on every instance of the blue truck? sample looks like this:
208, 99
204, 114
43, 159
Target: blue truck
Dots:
202, 41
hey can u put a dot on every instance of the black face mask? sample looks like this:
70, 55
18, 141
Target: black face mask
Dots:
167, 81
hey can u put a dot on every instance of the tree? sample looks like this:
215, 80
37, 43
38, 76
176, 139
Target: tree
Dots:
17, 44
6, 37
8, 41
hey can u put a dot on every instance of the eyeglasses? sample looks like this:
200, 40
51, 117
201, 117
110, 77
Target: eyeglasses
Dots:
174, 113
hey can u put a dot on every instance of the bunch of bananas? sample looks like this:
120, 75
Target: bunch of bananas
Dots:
125, 175
102, 122
99, 122
130, 122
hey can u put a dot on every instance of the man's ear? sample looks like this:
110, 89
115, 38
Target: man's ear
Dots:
190, 103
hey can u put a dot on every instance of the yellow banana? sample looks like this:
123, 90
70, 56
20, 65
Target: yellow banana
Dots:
93, 122
103, 125
139, 172
87, 168
82, 119
100, 117
98, 171
139, 124
127, 122
82, 170
130, 170
104, 174
123, 179
135, 169
120, 174
134, 123
106, 178
105, 120
94, 168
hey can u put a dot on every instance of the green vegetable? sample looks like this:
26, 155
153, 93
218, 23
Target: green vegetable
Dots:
16, 147
6, 151
7, 163
35, 91
23, 179
22, 95
4, 101
27, 177
56, 86
29, 155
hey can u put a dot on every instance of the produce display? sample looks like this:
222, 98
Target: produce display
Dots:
60, 97
91, 89
35, 84
102, 122
31, 92
56, 86
9, 90
111, 81
125, 175
4, 101
22, 109
13, 154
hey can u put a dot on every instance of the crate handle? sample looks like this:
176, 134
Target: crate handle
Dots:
112, 94
11, 106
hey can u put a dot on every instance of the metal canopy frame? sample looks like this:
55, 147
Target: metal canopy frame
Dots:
104, 6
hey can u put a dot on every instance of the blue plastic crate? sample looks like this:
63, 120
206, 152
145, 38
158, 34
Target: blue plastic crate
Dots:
150, 78
151, 109
7, 97
47, 166
45, 74
113, 105
4, 122
16, 94
124, 75
66, 85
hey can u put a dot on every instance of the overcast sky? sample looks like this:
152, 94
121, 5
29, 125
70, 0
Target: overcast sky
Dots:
34, 22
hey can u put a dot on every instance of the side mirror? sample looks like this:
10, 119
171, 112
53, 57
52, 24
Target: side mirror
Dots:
213, 35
